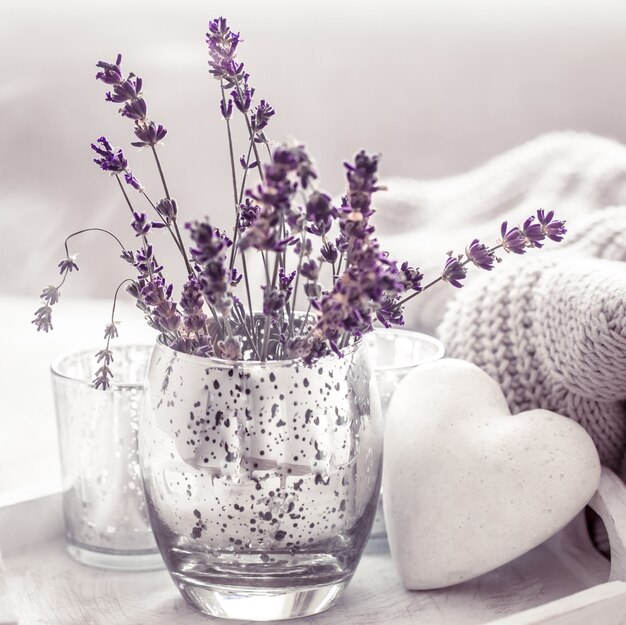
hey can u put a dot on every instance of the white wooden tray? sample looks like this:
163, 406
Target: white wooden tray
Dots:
562, 582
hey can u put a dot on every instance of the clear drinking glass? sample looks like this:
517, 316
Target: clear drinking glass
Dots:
262, 479
106, 522
394, 353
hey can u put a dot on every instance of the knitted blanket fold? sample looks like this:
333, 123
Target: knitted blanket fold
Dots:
574, 174
550, 327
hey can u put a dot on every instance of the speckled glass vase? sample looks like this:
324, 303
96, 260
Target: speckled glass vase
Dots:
262, 479
106, 522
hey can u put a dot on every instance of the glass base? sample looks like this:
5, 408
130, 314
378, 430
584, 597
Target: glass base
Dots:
148, 561
254, 604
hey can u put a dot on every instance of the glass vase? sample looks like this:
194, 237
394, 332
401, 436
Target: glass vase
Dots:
106, 521
262, 479
394, 352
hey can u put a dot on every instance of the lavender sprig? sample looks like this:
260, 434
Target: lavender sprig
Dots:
104, 357
51, 294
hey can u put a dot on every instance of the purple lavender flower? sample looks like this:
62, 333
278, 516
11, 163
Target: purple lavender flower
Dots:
191, 302
342, 243
480, 255
68, 264
273, 301
242, 96
146, 263
128, 256
50, 295
132, 181
303, 247
247, 165
103, 378
112, 160
110, 331
125, 90
454, 272
222, 43
389, 313
167, 317
248, 212
261, 116
167, 208
312, 290
310, 270
329, 252
362, 182
215, 277
285, 281
209, 242
140, 224
553, 229
533, 233
43, 318
111, 73
156, 291
226, 108
319, 207
135, 109
512, 240
148, 134
105, 356
275, 201
229, 348
413, 277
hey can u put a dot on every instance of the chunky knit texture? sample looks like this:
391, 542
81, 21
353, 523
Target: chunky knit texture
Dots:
552, 330
551, 326
573, 173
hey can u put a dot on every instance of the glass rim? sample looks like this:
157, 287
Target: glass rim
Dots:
285, 362
55, 366
425, 338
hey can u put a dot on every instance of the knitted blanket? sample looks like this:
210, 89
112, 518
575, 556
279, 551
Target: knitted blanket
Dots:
573, 173
551, 326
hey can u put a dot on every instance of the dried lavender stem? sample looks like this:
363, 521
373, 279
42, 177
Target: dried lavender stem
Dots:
295, 288
167, 195
250, 131
266, 332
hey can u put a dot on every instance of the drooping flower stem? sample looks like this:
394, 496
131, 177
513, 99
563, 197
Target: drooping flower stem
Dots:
67, 253
104, 374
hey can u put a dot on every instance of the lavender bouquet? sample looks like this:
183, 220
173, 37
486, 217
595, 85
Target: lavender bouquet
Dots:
327, 280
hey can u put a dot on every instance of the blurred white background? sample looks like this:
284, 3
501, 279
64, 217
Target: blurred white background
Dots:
436, 86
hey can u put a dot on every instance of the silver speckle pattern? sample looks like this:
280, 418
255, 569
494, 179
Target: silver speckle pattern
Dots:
261, 460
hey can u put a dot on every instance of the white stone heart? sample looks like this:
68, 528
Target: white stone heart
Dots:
469, 487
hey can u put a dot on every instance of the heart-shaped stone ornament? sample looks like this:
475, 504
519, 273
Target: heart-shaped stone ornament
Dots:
467, 486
